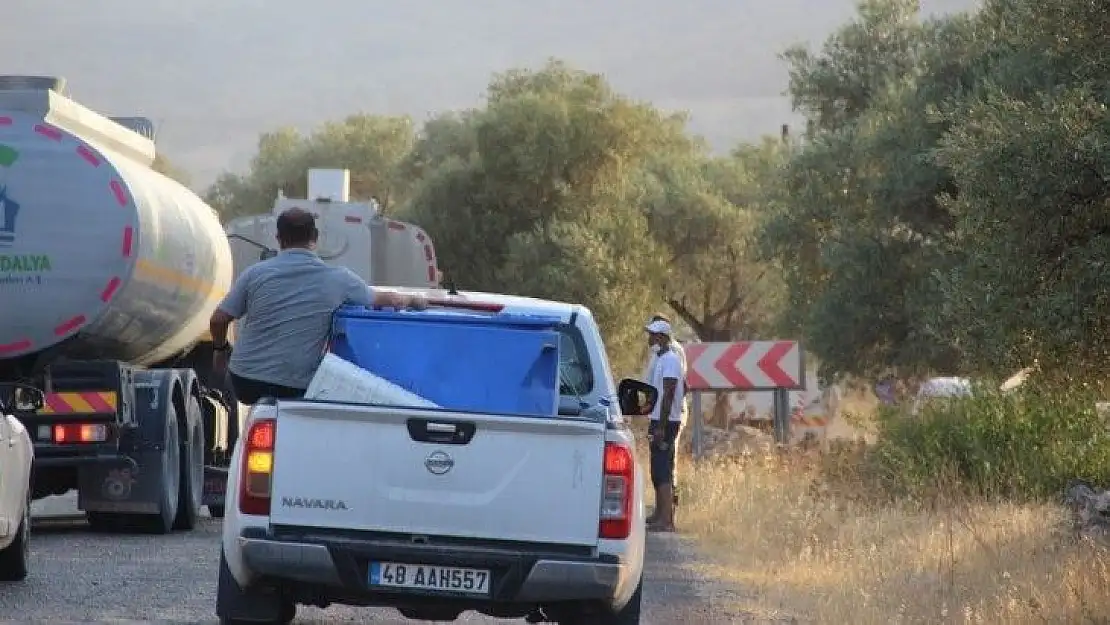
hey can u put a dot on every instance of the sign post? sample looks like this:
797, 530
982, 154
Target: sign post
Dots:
777, 366
699, 426
781, 408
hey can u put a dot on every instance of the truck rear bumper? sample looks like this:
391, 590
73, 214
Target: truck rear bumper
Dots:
517, 578
84, 460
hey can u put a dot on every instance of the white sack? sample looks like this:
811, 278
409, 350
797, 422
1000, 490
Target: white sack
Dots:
339, 380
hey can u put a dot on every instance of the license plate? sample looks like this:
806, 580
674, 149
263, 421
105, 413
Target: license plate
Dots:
430, 577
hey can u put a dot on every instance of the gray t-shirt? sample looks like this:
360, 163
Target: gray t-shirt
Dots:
284, 308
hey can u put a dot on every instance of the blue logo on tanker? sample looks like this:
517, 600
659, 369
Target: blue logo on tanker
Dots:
15, 268
9, 208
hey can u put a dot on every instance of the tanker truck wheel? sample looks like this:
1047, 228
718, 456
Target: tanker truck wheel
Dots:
170, 468
191, 496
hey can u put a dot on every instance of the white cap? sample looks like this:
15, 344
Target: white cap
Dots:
659, 327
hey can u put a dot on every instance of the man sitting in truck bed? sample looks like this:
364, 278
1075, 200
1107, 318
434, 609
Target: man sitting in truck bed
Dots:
284, 306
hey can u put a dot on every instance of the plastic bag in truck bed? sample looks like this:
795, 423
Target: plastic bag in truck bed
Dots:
490, 363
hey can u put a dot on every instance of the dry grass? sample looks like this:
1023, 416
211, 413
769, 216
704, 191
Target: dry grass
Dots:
827, 559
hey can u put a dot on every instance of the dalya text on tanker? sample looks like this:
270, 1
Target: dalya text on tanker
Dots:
24, 263
23, 268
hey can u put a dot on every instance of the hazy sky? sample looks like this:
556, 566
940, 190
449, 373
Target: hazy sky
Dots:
213, 74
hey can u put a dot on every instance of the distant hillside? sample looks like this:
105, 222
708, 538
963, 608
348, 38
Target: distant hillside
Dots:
213, 74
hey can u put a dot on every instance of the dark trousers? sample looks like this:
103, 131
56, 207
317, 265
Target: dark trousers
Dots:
249, 391
663, 454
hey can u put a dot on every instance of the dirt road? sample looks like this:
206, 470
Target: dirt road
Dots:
82, 577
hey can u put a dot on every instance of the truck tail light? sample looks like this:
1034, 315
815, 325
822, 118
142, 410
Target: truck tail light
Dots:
77, 433
258, 468
616, 499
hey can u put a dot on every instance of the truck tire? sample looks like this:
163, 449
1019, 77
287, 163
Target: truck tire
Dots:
628, 615
170, 466
14, 557
191, 494
236, 606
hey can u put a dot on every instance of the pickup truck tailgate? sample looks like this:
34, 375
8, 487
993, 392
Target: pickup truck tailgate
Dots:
438, 473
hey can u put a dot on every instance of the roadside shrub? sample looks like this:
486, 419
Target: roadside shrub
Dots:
1025, 444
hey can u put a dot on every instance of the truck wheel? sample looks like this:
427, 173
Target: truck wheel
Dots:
162, 522
190, 497
236, 606
628, 615
14, 557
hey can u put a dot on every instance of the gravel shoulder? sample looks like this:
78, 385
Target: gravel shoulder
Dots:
679, 593
82, 577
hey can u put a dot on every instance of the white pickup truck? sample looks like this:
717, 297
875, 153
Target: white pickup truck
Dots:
16, 455
437, 511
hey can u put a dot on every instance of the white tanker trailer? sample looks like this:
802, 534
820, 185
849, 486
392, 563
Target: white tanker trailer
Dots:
109, 272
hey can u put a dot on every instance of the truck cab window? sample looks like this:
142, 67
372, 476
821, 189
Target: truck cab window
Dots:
575, 375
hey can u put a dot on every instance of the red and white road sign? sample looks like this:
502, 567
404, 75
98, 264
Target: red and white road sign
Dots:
744, 366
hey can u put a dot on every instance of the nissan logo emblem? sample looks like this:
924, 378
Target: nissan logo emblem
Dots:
438, 463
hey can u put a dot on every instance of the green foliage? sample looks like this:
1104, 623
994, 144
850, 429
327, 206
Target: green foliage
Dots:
447, 137
949, 207
1023, 445
532, 199
372, 147
558, 187
562, 188
858, 229
857, 63
1028, 149
705, 212
1034, 224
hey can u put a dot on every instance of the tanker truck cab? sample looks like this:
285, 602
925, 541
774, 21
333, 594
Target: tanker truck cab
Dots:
109, 272
509, 487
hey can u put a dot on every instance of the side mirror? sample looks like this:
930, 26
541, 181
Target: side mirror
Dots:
21, 398
636, 398
267, 254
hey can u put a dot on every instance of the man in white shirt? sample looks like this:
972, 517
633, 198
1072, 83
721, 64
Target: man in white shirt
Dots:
652, 359
666, 420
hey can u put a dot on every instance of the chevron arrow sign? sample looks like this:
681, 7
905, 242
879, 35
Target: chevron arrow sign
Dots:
745, 366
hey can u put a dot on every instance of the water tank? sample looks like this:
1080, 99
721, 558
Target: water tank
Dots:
331, 185
100, 256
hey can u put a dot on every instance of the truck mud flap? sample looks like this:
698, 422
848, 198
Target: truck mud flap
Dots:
122, 489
